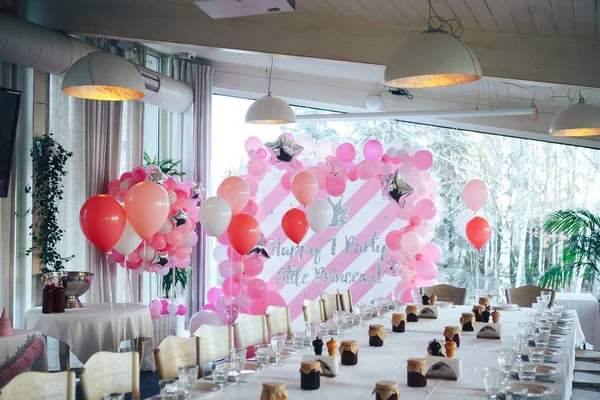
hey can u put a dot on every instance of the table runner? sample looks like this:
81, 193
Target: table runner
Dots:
23, 351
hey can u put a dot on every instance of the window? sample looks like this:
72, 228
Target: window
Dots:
527, 180
152, 115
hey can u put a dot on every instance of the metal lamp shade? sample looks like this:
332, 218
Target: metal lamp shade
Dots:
578, 119
103, 76
270, 110
432, 60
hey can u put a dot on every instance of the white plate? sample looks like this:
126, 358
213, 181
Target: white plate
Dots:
533, 389
505, 307
444, 304
205, 389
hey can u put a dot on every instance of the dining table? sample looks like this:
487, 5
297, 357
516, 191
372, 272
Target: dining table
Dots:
588, 310
389, 362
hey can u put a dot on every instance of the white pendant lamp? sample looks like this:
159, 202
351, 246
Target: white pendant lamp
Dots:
269, 109
580, 119
103, 76
435, 58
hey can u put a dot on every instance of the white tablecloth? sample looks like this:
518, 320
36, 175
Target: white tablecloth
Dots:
588, 310
23, 351
95, 327
389, 363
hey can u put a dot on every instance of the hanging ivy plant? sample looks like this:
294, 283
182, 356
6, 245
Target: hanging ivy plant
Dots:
49, 159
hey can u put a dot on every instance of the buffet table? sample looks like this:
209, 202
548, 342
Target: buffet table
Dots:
93, 328
389, 363
588, 310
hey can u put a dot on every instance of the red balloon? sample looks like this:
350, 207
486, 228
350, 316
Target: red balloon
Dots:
478, 232
102, 220
295, 225
243, 232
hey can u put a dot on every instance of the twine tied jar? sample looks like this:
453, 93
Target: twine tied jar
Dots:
398, 322
412, 313
452, 333
274, 391
467, 321
310, 375
386, 390
416, 372
349, 352
377, 335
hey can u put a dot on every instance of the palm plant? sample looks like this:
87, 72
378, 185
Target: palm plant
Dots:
581, 252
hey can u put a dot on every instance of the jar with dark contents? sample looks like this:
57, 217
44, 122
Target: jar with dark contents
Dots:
416, 372
386, 390
467, 321
412, 313
452, 334
349, 352
398, 322
377, 335
274, 391
484, 301
310, 375
478, 312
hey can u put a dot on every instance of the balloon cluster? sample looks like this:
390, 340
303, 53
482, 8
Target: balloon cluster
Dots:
165, 307
405, 179
475, 228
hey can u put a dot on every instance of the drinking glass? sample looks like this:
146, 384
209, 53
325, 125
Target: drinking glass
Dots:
416, 295
235, 367
221, 373
277, 343
378, 304
506, 359
516, 393
311, 329
241, 353
536, 355
492, 380
395, 300
113, 396
187, 377
546, 295
168, 386
544, 328
359, 311
262, 352
338, 321
298, 339
541, 340
527, 371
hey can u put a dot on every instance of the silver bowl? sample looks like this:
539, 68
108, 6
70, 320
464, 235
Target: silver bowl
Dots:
76, 283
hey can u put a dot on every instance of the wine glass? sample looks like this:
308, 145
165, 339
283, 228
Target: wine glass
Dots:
277, 343
187, 378
416, 295
546, 295
507, 358
359, 311
338, 321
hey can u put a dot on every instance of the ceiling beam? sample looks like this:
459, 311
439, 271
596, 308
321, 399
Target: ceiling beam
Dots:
553, 60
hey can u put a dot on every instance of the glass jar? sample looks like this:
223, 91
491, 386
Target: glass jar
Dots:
349, 352
386, 390
412, 313
377, 335
478, 312
416, 372
484, 301
273, 391
398, 322
310, 375
452, 334
467, 321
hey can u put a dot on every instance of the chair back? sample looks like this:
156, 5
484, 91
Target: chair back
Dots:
41, 386
215, 342
278, 320
525, 296
250, 330
345, 299
456, 295
107, 372
331, 303
174, 352
313, 310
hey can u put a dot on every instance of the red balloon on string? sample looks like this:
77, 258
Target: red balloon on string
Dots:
102, 220
478, 232
295, 225
243, 232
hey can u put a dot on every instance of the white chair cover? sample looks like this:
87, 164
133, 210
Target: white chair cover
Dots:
174, 352
40, 386
278, 320
215, 342
111, 372
250, 330
313, 310
331, 303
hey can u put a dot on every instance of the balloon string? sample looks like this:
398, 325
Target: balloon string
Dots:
110, 295
124, 301
173, 282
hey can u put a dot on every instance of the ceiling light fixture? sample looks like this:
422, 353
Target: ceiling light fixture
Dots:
103, 76
436, 58
270, 109
580, 119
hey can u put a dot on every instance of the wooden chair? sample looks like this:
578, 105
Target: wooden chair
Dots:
345, 297
174, 352
250, 330
111, 372
456, 295
40, 386
279, 321
313, 310
525, 296
215, 342
331, 303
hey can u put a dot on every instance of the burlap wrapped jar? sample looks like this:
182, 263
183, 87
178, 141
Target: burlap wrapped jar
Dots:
377, 335
349, 352
467, 322
274, 391
478, 311
416, 372
484, 301
398, 322
386, 390
452, 333
310, 375
412, 313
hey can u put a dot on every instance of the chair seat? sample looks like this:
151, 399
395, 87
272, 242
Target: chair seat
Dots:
584, 366
586, 379
587, 355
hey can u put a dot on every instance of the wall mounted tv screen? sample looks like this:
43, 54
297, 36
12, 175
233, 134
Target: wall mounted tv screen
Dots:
9, 114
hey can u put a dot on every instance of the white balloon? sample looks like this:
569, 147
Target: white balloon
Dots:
215, 216
391, 152
319, 215
462, 219
129, 240
167, 227
172, 308
204, 317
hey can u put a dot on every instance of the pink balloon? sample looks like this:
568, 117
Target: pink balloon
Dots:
147, 253
372, 149
335, 186
225, 269
286, 181
273, 298
252, 143
189, 240
125, 175
345, 152
120, 196
304, 187
224, 239
155, 313
221, 303
235, 191
431, 252
251, 208
209, 307
252, 186
213, 294
147, 208
115, 183
259, 307
392, 240
156, 304
174, 238
261, 153
165, 303
245, 302
365, 169
256, 288
475, 194
231, 287
407, 296
253, 266
256, 167
183, 252
181, 310
320, 174
426, 209
426, 270
134, 257
352, 175
117, 257
233, 255
423, 160
410, 244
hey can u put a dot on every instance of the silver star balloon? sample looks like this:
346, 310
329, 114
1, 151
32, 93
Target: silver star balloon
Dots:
284, 150
157, 177
197, 192
395, 187
180, 217
161, 258
260, 249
